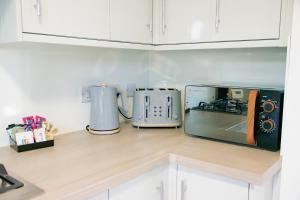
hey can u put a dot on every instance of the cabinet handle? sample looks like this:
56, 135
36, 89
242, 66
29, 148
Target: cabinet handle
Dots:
183, 190
150, 25
218, 20
37, 7
164, 16
161, 190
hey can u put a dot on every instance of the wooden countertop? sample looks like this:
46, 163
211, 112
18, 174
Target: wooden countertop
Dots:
82, 164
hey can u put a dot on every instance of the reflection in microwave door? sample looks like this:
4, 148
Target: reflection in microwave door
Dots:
239, 127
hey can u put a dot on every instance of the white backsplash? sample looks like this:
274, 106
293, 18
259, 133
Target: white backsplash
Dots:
47, 79
264, 67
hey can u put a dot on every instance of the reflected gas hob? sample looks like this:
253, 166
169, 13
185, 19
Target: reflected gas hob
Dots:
224, 105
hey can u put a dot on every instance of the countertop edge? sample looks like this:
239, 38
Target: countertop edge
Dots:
167, 148
171, 158
118, 179
242, 175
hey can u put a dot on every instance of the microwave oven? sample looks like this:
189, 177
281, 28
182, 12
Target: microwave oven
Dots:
245, 116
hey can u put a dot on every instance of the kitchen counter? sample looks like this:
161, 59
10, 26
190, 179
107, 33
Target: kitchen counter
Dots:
81, 163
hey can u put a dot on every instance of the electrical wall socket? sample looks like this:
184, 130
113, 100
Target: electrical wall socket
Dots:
85, 94
130, 89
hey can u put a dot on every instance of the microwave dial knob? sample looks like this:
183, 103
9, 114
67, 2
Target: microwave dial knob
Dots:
268, 125
269, 106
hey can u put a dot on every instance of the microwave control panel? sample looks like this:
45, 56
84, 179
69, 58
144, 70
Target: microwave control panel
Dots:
269, 118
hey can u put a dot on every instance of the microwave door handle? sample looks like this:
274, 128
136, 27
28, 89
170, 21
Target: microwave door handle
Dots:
251, 117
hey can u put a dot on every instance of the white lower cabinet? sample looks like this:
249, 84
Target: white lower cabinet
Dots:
175, 182
154, 185
195, 185
102, 196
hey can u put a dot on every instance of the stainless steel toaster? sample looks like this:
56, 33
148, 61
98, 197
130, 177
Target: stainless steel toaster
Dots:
157, 107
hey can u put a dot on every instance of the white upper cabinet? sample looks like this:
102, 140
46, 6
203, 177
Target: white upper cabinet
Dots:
131, 20
205, 21
80, 18
148, 24
195, 185
186, 21
247, 19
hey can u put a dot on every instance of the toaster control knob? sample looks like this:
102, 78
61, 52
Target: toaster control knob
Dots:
175, 117
269, 106
268, 125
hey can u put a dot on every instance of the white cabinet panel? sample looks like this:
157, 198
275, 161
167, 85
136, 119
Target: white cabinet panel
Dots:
186, 21
195, 185
248, 19
131, 20
290, 141
150, 186
80, 18
102, 196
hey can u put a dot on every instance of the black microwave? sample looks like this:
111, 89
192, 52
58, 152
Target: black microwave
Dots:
245, 116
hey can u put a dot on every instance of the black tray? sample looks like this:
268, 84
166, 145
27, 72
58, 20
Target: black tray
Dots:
29, 147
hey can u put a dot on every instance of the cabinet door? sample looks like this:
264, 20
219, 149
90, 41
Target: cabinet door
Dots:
195, 185
247, 19
150, 186
132, 20
186, 21
102, 196
80, 18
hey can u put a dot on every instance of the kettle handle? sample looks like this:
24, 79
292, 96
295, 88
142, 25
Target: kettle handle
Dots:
123, 111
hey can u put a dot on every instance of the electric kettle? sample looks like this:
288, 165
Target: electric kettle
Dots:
104, 116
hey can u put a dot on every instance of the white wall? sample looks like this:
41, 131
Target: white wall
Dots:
33, 77
47, 80
263, 67
290, 176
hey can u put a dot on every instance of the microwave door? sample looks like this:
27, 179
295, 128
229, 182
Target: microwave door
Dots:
216, 125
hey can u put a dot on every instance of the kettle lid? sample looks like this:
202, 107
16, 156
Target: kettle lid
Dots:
103, 85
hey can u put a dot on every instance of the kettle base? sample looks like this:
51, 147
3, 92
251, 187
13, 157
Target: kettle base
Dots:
102, 132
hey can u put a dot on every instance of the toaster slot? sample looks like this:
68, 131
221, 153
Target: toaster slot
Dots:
147, 106
169, 107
